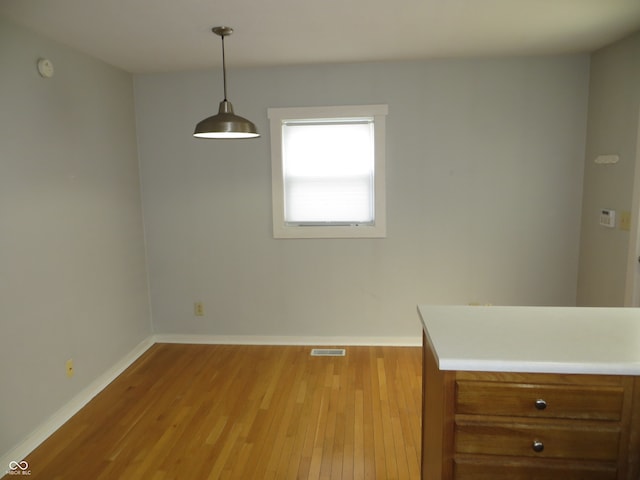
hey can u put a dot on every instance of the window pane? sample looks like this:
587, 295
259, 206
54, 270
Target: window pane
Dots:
329, 172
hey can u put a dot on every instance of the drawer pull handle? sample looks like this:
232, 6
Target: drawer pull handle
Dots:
537, 446
541, 404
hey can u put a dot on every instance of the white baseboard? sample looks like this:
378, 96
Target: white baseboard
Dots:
40, 434
288, 340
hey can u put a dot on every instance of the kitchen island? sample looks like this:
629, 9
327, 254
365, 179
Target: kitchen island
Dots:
530, 393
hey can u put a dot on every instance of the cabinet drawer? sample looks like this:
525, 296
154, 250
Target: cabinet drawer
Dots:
506, 469
538, 439
538, 400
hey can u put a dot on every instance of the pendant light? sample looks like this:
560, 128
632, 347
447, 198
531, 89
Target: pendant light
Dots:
225, 124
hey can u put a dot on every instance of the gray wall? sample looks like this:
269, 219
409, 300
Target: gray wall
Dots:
614, 106
72, 260
484, 185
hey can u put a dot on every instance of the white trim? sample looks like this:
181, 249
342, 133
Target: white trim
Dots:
289, 340
336, 111
632, 279
42, 432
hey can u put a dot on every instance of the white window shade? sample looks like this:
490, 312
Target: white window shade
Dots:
329, 170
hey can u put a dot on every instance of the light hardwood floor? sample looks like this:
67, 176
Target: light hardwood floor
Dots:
246, 412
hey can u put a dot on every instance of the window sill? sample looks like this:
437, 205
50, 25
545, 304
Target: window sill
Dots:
361, 231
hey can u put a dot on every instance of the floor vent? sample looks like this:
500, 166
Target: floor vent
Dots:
328, 352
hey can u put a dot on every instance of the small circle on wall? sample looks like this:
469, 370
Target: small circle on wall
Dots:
45, 67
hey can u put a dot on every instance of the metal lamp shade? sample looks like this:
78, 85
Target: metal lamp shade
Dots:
225, 124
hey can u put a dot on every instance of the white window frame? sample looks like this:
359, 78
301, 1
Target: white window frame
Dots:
277, 117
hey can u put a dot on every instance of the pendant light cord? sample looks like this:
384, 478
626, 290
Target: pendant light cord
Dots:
224, 70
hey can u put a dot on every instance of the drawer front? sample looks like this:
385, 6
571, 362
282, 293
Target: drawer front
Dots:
593, 441
542, 401
503, 470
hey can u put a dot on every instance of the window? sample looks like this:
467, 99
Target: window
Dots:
327, 167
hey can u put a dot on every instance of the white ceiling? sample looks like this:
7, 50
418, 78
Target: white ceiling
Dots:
168, 35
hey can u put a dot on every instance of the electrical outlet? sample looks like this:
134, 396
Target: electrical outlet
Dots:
198, 309
69, 367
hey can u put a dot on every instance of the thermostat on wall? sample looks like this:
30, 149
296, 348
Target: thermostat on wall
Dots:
608, 218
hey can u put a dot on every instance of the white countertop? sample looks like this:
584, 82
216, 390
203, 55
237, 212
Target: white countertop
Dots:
534, 339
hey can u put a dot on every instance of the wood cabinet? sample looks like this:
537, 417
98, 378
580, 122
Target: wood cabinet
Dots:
533, 426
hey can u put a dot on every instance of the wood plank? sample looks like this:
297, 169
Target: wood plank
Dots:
222, 411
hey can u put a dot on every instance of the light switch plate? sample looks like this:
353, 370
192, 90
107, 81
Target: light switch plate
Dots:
625, 221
